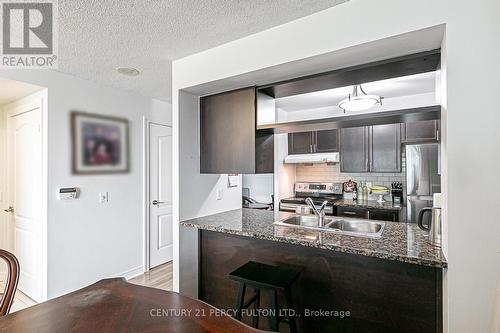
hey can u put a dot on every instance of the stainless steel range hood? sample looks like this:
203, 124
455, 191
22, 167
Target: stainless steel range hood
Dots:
312, 158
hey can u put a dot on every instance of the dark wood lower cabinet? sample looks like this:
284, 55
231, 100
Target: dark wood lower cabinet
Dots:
383, 215
371, 214
380, 295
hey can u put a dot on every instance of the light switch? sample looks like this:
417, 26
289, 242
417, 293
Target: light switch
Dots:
103, 197
219, 194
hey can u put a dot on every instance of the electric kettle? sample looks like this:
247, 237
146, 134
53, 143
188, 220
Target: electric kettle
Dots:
435, 227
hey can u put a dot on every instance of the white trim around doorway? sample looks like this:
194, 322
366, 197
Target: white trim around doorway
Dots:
146, 124
38, 99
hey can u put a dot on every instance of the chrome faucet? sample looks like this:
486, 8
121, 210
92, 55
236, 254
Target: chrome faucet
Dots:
320, 213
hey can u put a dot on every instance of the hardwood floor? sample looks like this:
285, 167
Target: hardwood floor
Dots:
159, 277
21, 301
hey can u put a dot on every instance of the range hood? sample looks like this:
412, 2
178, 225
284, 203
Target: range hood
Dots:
312, 158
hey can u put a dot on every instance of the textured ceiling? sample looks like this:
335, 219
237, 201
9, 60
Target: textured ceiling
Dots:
96, 36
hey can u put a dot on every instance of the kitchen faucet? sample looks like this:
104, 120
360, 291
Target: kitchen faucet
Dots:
320, 213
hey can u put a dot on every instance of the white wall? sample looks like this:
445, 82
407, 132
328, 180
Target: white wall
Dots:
284, 174
88, 241
472, 136
194, 194
198, 192
261, 186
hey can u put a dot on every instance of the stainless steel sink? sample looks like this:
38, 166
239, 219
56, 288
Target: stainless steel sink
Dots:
351, 227
308, 222
358, 227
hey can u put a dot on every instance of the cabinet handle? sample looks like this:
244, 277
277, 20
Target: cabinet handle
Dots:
350, 213
368, 214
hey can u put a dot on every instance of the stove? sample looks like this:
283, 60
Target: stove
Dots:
318, 192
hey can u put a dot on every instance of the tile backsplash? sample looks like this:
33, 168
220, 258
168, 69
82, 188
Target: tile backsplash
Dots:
332, 174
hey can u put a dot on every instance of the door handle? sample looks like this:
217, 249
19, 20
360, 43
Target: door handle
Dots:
157, 203
9, 210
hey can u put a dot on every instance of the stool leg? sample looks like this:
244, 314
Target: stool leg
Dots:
240, 301
289, 305
274, 307
255, 319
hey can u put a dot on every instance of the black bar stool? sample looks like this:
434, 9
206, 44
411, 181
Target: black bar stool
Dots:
259, 277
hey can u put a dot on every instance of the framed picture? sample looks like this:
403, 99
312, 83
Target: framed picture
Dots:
99, 144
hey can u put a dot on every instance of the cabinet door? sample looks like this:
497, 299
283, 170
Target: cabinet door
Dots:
326, 141
383, 215
421, 131
227, 132
300, 143
354, 149
385, 148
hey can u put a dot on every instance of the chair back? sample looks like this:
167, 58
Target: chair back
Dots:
11, 283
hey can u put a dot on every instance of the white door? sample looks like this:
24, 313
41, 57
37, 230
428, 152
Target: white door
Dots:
25, 194
160, 194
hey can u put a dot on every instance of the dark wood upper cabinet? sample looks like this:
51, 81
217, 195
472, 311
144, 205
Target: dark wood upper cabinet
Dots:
300, 143
326, 141
313, 142
385, 148
371, 149
420, 131
354, 149
229, 141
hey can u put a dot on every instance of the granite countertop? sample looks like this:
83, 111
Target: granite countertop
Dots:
373, 204
399, 241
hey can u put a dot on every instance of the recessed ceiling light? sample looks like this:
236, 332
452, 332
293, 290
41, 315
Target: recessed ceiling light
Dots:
128, 71
359, 101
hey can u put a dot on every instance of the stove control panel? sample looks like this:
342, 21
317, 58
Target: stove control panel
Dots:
323, 188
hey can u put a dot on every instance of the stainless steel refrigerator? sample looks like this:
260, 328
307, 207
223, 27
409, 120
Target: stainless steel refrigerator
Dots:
422, 178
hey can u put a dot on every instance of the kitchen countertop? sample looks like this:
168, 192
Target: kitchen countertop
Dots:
373, 204
399, 241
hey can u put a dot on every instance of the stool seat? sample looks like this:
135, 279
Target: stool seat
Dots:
267, 276
259, 276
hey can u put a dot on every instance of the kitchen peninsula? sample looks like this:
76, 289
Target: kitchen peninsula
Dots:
384, 283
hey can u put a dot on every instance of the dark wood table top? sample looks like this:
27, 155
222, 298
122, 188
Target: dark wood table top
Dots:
114, 305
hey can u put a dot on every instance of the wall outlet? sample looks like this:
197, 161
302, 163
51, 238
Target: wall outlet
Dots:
103, 197
219, 194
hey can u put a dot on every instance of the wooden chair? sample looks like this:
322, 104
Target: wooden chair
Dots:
11, 283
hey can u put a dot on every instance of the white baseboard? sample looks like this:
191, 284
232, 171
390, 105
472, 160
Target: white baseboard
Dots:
131, 273
495, 328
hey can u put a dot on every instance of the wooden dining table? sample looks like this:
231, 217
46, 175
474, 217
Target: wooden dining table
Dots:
114, 305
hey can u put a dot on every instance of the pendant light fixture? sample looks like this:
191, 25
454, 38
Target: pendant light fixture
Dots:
359, 100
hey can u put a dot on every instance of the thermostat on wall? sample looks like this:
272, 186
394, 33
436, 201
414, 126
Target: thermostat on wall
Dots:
68, 193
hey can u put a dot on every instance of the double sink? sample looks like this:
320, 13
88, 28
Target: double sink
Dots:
346, 226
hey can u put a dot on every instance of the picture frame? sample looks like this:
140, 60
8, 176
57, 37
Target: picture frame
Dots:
100, 144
